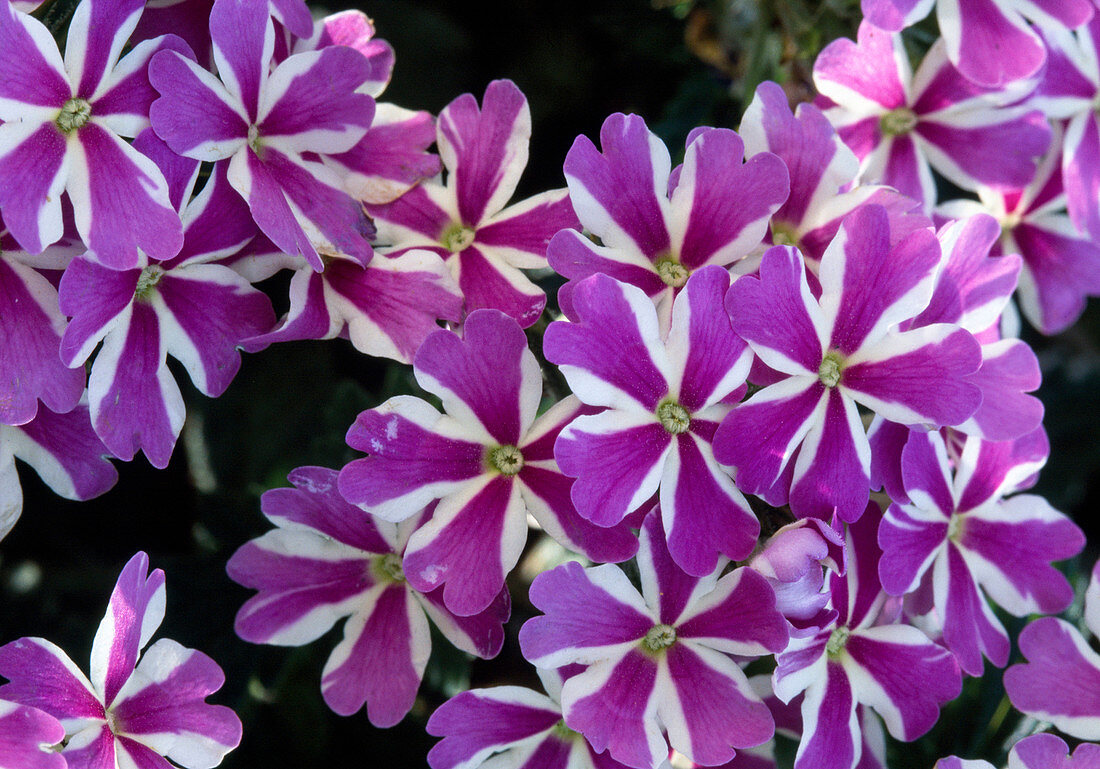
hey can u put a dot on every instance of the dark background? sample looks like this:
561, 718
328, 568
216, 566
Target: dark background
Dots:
678, 64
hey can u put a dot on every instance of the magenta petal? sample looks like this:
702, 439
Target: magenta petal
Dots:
194, 115
135, 402
212, 309
1009, 371
243, 43
759, 436
728, 203
42, 676
380, 660
34, 73
408, 459
471, 543
830, 729
1079, 174
25, 735
704, 513
121, 201
833, 467
317, 108
904, 676
488, 282
392, 306
975, 27
909, 545
713, 359
134, 613
95, 296
92, 748
35, 168
612, 356
620, 195
315, 502
720, 712
635, 447
1061, 680
777, 315
919, 376
480, 634
970, 629
547, 495
585, 609
485, 150
163, 706
391, 157
476, 723
66, 453
868, 69
30, 368
614, 707
488, 376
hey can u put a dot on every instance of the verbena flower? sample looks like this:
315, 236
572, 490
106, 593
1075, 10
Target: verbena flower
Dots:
328, 560
467, 219
664, 398
656, 224
487, 460
130, 711
64, 120
957, 528
659, 657
900, 124
187, 307
834, 352
891, 668
266, 122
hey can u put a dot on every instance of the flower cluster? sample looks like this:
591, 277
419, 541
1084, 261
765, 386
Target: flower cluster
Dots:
789, 432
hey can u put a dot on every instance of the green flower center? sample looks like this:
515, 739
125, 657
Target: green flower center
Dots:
673, 417
897, 122
254, 140
837, 641
671, 271
832, 366
954, 527
457, 237
564, 733
659, 637
148, 280
74, 114
506, 460
388, 566
784, 234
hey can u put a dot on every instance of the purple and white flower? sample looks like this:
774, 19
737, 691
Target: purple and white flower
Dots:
892, 669
900, 125
487, 459
187, 307
834, 352
663, 400
266, 122
958, 529
656, 224
129, 711
659, 657
467, 221
60, 126
328, 560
